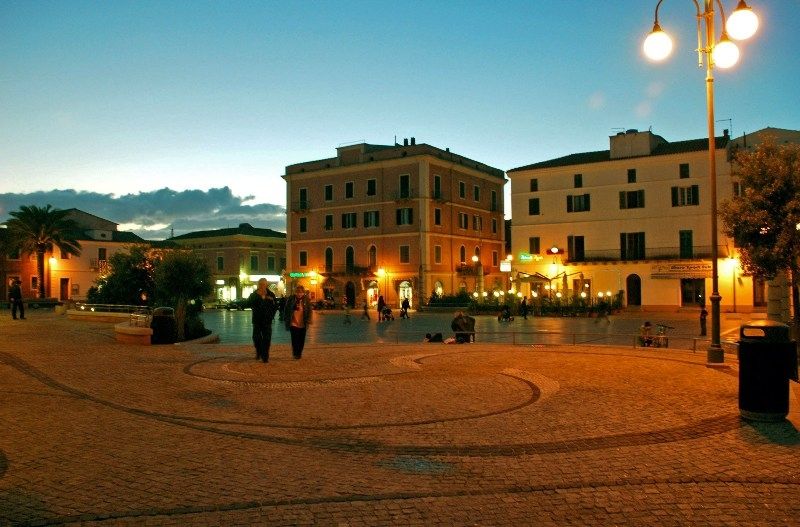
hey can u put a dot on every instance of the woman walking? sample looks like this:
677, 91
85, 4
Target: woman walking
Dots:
297, 317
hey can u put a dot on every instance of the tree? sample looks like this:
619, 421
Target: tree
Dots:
764, 221
180, 277
37, 230
128, 276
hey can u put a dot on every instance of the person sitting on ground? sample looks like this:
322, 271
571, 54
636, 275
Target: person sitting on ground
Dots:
436, 337
459, 327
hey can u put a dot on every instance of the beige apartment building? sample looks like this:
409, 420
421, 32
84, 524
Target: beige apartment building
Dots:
401, 221
238, 258
631, 220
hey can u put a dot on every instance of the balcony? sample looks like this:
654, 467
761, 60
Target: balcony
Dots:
301, 206
701, 252
405, 194
348, 270
96, 264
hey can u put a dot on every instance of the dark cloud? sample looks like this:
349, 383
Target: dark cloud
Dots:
157, 212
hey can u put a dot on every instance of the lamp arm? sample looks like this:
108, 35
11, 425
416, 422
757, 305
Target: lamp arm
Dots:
655, 22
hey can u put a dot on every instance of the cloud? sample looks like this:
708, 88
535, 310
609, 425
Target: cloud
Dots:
154, 215
597, 101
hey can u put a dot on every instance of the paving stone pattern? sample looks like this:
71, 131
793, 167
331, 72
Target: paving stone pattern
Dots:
97, 433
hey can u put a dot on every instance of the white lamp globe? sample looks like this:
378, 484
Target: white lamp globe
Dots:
743, 23
658, 45
725, 54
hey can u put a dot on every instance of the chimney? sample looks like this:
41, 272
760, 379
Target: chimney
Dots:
726, 134
405, 142
413, 141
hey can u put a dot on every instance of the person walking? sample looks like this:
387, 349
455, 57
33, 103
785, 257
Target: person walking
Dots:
346, 306
523, 308
381, 305
264, 305
703, 316
365, 313
404, 306
297, 317
15, 297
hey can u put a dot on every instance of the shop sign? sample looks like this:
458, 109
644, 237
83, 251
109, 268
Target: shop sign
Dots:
298, 275
681, 270
505, 266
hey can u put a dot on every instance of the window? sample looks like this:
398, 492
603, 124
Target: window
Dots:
580, 203
437, 216
349, 220
533, 207
349, 259
329, 222
303, 258
372, 187
303, 199
738, 190
533, 245
476, 192
328, 259
405, 216
495, 259
405, 186
683, 170
372, 218
477, 223
14, 255
34, 283
575, 248
462, 190
463, 221
685, 239
631, 175
328, 192
631, 245
270, 263
493, 204
462, 254
405, 254
577, 179
494, 225
101, 254
253, 262
437, 187
683, 196
348, 190
303, 224
631, 200
534, 185
437, 254
220, 263
372, 256
283, 263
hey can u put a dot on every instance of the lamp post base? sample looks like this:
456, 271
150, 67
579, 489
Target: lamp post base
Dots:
715, 356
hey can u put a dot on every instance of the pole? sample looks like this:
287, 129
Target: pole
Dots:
715, 354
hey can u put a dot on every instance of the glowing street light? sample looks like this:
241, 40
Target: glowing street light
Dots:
742, 24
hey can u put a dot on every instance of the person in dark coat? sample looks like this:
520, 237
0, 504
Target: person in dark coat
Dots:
264, 305
381, 305
297, 317
523, 307
404, 308
15, 297
703, 317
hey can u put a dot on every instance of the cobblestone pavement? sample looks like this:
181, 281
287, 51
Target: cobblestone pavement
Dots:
96, 433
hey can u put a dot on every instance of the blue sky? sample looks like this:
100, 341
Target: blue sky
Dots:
109, 100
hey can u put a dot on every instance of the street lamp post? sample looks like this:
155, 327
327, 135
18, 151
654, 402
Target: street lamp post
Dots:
742, 24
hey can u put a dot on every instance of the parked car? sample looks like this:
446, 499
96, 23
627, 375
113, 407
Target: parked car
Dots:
239, 304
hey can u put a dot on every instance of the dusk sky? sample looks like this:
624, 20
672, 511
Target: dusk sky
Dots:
172, 114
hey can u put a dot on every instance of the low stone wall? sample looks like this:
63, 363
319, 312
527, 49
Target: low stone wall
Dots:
124, 333
97, 316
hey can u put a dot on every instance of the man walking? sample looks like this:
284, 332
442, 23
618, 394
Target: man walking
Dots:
264, 305
523, 308
15, 297
297, 317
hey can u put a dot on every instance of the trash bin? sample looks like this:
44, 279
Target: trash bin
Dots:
164, 326
767, 360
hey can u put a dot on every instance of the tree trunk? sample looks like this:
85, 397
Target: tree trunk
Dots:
180, 317
796, 304
40, 270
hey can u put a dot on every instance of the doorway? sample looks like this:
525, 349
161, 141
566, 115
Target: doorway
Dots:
406, 292
633, 286
350, 294
693, 292
63, 289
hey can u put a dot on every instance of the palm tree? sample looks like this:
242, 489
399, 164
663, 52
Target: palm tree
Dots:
37, 230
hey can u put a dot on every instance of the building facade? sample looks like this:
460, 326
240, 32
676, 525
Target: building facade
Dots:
68, 277
634, 221
400, 221
238, 258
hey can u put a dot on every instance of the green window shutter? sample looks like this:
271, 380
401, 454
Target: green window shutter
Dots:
641, 198
695, 195
586, 202
622, 202
569, 204
674, 196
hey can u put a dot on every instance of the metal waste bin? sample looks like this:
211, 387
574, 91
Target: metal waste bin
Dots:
164, 326
767, 360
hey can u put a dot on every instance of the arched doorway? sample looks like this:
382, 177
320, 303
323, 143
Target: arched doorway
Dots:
372, 255
372, 293
406, 291
350, 294
349, 259
438, 288
633, 285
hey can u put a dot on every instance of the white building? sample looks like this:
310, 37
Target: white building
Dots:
632, 220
